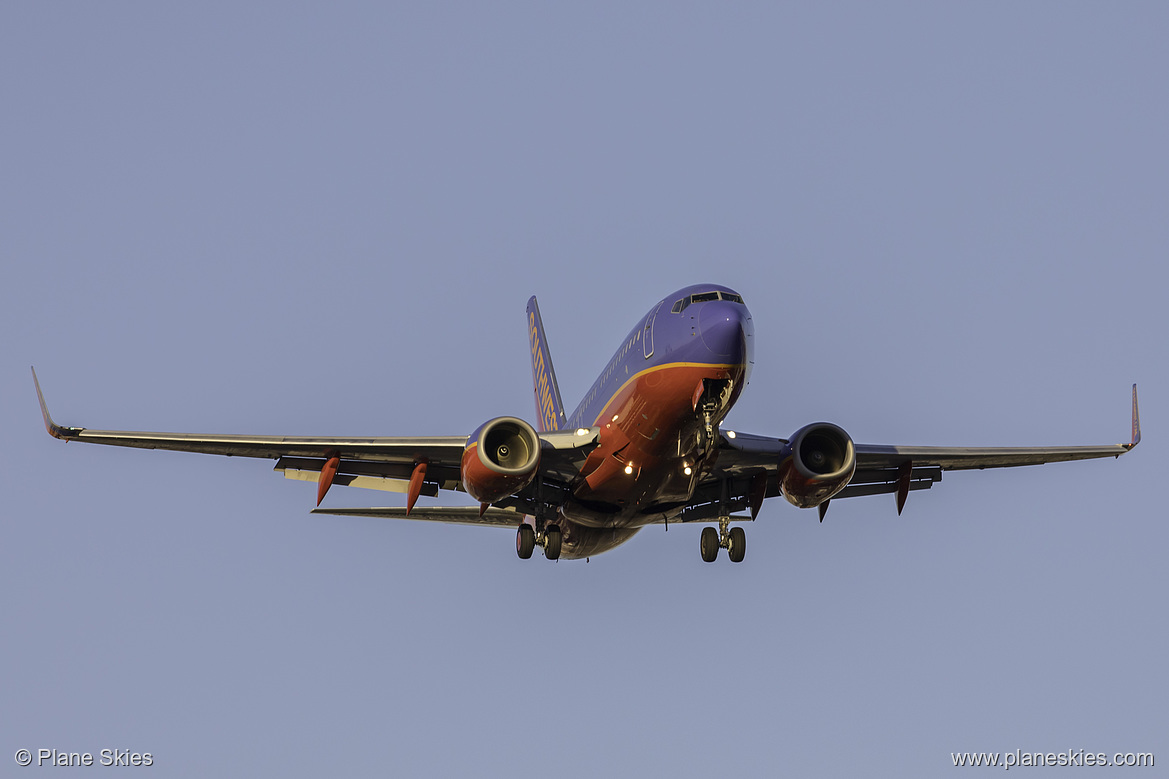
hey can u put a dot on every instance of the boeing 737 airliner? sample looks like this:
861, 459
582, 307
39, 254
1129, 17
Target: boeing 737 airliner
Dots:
645, 446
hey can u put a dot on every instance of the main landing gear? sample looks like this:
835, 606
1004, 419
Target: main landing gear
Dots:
733, 539
526, 541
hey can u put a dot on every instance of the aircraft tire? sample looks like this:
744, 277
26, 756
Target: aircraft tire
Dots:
552, 542
525, 541
709, 544
738, 545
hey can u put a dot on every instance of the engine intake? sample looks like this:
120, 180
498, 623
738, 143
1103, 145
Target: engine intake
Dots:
818, 463
500, 459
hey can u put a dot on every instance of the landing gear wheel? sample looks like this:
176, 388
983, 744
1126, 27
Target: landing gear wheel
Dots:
737, 545
709, 544
552, 542
525, 541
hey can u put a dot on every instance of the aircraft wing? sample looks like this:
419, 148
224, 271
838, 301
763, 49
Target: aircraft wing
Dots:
384, 462
882, 468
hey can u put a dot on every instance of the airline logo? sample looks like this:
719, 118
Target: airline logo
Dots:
545, 403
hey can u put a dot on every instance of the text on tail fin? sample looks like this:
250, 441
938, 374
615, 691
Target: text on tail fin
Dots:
549, 409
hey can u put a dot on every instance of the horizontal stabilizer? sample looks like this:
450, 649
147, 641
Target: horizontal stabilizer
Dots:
460, 515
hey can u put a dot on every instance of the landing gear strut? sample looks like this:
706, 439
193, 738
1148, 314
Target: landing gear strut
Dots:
732, 539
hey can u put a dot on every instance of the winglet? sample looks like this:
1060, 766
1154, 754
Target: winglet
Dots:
1136, 420
55, 430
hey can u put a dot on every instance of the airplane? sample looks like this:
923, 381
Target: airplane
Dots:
646, 446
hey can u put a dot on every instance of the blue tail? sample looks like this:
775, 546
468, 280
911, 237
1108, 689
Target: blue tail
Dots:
549, 409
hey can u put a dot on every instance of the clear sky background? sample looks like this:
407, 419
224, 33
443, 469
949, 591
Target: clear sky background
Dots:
949, 222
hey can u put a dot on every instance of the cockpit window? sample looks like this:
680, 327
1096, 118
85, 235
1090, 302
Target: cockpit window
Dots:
702, 297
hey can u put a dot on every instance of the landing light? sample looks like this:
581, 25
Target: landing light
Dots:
730, 434
687, 470
615, 417
582, 431
629, 468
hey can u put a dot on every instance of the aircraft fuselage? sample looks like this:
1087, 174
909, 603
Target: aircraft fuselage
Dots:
658, 403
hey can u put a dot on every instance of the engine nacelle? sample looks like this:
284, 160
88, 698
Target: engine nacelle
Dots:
817, 463
501, 458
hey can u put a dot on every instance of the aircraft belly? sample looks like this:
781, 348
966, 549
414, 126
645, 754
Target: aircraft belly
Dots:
650, 435
579, 541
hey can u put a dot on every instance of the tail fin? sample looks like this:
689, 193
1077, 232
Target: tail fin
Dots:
549, 409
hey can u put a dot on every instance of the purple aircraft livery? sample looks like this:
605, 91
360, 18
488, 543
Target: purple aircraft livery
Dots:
645, 446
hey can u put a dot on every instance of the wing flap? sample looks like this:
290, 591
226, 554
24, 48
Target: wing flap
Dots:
394, 477
885, 488
429, 489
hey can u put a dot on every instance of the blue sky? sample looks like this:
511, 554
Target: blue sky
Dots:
948, 222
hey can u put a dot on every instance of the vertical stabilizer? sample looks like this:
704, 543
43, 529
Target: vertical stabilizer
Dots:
549, 409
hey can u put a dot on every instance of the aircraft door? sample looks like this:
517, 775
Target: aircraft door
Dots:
647, 336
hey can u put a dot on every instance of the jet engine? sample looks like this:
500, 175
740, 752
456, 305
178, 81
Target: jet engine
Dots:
501, 458
817, 463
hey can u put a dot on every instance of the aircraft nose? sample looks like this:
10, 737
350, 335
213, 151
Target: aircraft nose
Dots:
723, 327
